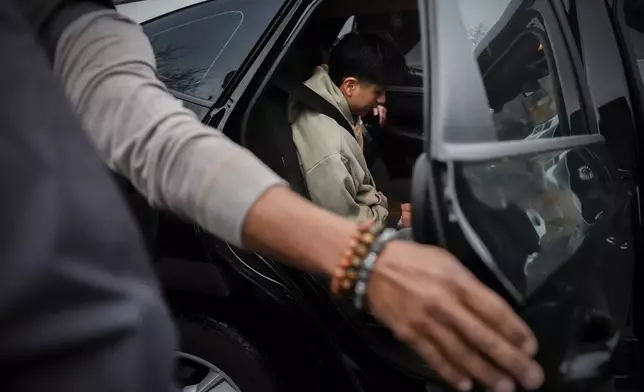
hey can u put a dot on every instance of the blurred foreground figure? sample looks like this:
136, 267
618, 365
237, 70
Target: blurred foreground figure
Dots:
79, 306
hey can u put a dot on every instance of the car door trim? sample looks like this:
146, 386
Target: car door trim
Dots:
475, 152
456, 94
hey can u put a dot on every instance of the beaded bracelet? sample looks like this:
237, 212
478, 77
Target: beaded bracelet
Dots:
346, 275
366, 267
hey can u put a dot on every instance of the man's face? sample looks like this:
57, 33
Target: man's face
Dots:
362, 97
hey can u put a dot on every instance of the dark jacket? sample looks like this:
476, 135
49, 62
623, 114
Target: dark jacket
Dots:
80, 309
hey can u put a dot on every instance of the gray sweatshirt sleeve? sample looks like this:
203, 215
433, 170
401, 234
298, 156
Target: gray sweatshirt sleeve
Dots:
107, 67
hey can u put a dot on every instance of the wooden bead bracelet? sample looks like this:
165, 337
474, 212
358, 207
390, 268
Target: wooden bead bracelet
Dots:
346, 275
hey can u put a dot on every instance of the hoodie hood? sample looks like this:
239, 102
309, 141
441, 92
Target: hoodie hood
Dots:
322, 85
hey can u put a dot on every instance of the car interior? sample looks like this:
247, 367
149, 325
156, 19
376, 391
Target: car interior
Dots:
267, 132
530, 111
525, 100
396, 146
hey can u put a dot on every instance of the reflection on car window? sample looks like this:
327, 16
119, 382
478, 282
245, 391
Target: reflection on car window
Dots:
517, 68
534, 212
522, 94
182, 63
480, 17
198, 46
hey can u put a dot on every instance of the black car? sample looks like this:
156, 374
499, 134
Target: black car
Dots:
525, 166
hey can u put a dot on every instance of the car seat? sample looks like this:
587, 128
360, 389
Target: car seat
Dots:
269, 136
267, 131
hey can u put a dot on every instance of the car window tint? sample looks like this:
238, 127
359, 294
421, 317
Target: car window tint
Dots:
404, 28
405, 97
519, 72
197, 47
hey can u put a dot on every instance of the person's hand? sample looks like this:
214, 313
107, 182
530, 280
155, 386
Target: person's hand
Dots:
405, 218
381, 112
461, 328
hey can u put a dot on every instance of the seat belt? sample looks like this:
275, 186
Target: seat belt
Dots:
313, 101
309, 98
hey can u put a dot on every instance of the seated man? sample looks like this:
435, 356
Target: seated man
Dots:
332, 160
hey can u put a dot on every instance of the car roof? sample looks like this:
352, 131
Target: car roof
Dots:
142, 11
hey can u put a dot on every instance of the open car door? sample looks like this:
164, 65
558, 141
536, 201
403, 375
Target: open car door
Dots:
518, 182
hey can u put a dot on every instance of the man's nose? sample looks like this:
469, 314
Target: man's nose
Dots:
382, 99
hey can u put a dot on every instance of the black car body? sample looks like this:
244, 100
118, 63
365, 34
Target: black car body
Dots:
534, 155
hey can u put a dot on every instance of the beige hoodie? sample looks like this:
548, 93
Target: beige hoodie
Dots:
332, 160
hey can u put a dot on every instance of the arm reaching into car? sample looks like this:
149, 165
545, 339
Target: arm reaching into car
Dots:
463, 329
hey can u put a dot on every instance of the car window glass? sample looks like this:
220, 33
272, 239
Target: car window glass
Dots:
404, 28
519, 74
405, 97
197, 47
532, 212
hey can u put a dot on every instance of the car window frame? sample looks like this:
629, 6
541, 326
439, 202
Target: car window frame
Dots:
488, 149
456, 97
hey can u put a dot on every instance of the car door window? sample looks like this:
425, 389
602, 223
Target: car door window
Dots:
404, 99
528, 189
198, 47
519, 72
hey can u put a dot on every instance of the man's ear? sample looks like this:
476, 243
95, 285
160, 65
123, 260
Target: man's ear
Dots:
349, 86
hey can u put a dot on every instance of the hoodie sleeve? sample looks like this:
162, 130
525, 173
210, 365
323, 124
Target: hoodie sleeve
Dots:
332, 186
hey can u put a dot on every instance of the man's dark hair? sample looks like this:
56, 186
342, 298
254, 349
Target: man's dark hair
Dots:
367, 56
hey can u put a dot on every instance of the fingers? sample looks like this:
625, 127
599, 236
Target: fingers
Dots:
381, 112
405, 219
434, 358
501, 317
383, 115
487, 340
460, 327
466, 359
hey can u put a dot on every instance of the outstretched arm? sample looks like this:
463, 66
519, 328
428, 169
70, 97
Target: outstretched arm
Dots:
106, 65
